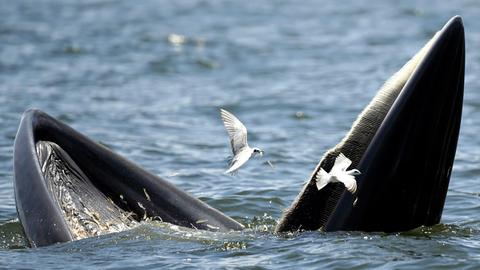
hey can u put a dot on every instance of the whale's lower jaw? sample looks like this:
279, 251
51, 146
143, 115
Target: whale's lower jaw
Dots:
403, 143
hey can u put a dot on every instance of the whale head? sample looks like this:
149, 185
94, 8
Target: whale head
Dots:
404, 144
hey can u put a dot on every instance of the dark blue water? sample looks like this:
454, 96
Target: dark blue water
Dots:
147, 79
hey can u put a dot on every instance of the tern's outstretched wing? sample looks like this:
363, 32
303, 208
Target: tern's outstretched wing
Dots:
236, 131
323, 178
341, 164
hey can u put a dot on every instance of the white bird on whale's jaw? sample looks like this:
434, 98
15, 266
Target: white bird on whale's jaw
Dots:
237, 133
338, 173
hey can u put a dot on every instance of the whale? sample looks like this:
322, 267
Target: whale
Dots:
403, 143
69, 187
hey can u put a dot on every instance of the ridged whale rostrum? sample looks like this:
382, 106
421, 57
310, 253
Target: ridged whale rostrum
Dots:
404, 145
69, 187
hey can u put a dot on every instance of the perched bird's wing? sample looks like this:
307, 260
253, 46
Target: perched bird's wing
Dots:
341, 164
236, 131
239, 160
322, 178
349, 182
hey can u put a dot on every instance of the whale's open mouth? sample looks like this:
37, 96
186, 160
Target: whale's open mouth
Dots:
86, 210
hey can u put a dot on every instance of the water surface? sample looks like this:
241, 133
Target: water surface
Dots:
147, 80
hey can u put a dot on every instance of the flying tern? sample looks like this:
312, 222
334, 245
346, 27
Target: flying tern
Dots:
237, 132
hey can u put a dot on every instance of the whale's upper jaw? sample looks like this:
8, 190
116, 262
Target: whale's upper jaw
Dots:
407, 167
406, 163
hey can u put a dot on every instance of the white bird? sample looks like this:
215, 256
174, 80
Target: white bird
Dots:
338, 173
238, 140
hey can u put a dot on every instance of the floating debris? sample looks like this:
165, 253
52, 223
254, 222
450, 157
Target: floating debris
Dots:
270, 163
146, 195
213, 227
233, 245
301, 115
200, 221
208, 63
172, 174
144, 210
